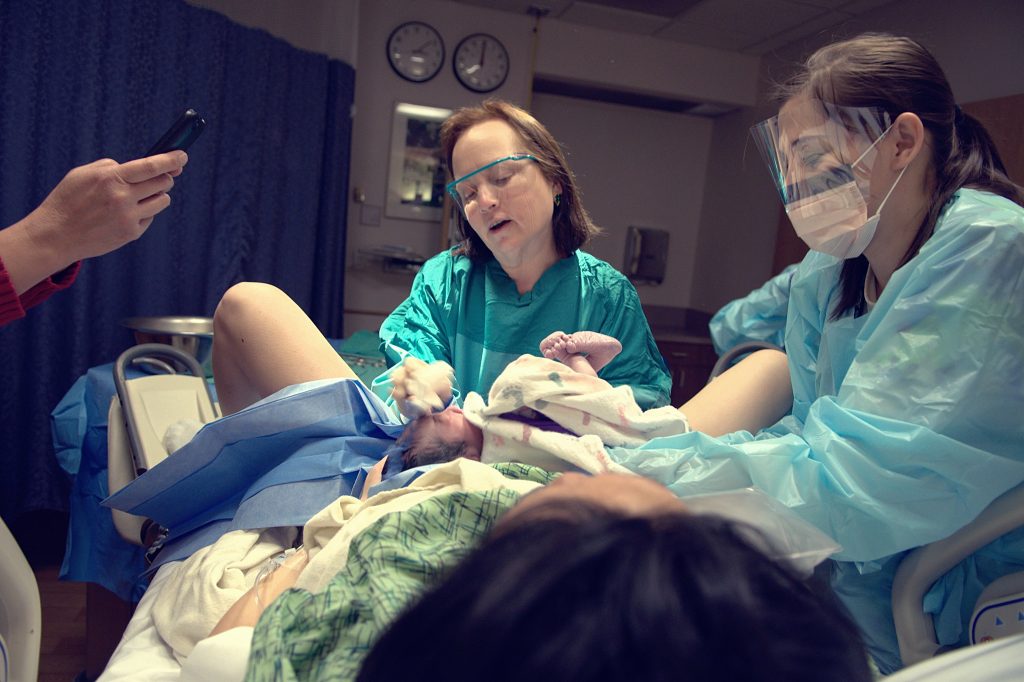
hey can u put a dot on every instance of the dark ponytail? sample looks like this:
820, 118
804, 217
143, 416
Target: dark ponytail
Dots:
894, 75
972, 161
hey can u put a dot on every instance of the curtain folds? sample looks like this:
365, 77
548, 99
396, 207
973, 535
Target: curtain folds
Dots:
262, 198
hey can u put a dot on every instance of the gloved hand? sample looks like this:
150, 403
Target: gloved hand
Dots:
421, 388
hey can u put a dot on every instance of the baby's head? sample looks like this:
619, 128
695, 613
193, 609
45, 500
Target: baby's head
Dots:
440, 437
610, 578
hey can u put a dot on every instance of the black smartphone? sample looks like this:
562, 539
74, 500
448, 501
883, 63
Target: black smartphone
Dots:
184, 132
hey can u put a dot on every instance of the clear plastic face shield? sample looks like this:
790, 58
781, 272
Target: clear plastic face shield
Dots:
491, 184
820, 156
813, 146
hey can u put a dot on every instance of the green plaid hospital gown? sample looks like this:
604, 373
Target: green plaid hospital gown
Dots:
324, 636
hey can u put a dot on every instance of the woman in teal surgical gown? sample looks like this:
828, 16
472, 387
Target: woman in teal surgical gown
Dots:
904, 330
518, 275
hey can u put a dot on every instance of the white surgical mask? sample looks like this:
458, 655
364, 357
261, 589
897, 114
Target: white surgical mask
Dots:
836, 221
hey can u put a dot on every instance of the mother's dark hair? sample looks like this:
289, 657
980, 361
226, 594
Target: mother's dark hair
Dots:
895, 74
571, 223
584, 593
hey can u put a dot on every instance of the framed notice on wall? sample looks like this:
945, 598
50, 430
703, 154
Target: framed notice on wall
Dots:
416, 173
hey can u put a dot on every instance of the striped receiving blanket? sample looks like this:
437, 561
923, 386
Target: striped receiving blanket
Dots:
592, 411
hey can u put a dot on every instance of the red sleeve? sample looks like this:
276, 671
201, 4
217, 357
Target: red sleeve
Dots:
13, 307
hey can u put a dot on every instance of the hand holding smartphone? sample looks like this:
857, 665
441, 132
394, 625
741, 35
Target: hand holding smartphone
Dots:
180, 135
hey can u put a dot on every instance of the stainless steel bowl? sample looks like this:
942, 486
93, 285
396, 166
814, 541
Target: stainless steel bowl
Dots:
192, 335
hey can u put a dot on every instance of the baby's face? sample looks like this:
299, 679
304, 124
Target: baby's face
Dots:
450, 426
630, 495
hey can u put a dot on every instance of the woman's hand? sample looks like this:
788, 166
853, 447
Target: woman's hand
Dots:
373, 477
95, 209
420, 388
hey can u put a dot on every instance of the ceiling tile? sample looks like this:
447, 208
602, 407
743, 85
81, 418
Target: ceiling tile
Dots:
749, 26
706, 36
826, 4
661, 8
613, 18
763, 18
555, 7
824, 22
861, 6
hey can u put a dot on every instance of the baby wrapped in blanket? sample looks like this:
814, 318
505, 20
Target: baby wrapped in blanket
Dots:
553, 412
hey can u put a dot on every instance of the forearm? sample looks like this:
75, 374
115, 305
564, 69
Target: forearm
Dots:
247, 610
28, 257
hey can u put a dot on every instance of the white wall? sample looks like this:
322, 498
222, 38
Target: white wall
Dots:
580, 54
978, 42
378, 88
980, 46
643, 64
636, 167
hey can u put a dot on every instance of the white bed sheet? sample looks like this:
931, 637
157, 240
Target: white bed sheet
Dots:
142, 654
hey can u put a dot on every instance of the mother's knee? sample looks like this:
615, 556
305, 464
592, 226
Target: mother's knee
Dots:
241, 301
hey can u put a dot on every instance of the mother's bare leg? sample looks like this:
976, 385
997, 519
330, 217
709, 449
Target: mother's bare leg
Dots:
751, 395
263, 342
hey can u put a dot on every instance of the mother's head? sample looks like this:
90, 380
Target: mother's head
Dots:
571, 225
608, 578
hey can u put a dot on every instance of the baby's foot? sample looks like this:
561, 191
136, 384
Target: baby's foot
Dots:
600, 349
553, 346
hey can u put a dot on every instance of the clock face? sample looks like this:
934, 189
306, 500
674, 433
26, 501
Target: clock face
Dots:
415, 51
481, 62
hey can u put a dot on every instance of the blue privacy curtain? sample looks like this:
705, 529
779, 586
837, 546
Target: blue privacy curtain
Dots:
262, 198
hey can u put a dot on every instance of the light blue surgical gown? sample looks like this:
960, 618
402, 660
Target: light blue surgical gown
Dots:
472, 317
758, 316
907, 421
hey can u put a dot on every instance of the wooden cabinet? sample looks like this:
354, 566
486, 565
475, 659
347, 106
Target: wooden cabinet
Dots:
689, 360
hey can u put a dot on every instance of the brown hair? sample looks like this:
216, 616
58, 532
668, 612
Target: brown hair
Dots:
895, 74
571, 223
418, 449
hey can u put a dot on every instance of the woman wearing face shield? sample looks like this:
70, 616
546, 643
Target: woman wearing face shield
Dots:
518, 274
904, 330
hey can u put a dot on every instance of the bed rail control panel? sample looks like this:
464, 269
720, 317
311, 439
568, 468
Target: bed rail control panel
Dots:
144, 409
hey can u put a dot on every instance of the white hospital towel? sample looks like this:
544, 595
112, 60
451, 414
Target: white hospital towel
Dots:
600, 413
204, 587
194, 598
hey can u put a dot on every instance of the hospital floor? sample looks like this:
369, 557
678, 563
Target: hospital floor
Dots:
71, 642
63, 650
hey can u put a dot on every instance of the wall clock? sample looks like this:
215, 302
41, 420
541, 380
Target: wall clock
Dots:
415, 51
481, 62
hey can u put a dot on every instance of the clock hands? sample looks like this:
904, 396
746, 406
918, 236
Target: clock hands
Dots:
421, 48
480, 64
415, 51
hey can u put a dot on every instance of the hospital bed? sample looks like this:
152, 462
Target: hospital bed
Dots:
20, 613
142, 649
144, 410
95, 551
999, 611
